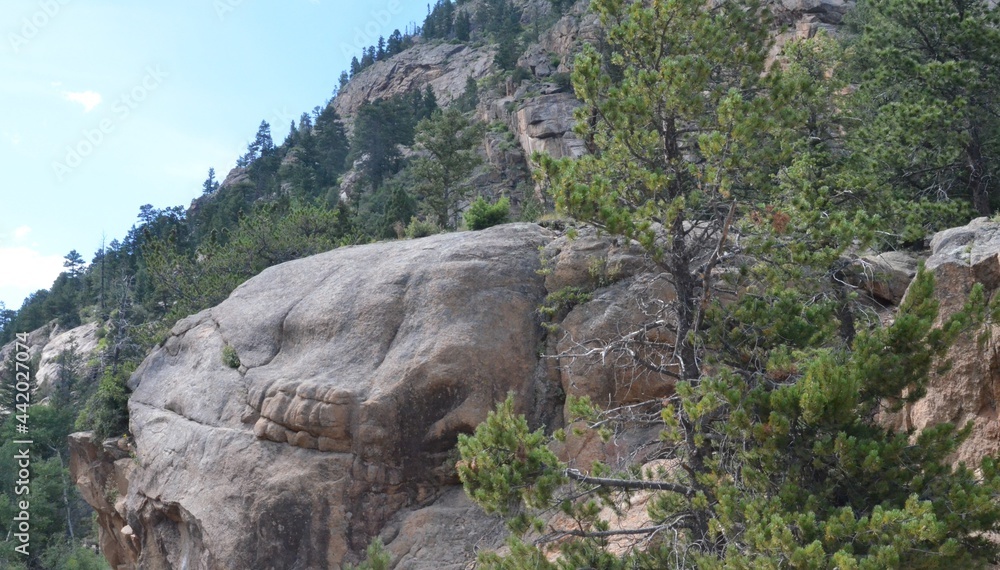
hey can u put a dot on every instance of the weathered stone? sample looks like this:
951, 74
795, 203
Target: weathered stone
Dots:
594, 361
101, 472
885, 276
591, 258
542, 123
562, 42
81, 340
961, 258
362, 365
444, 536
48, 344
444, 67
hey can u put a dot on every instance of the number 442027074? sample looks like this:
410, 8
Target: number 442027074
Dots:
22, 386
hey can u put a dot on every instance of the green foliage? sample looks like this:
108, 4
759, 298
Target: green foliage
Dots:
562, 80
463, 26
558, 303
531, 208
59, 517
272, 234
449, 139
376, 558
382, 214
501, 21
418, 229
926, 109
561, 6
481, 214
106, 412
230, 357
504, 464
784, 466
11, 374
381, 126
69, 556
469, 98
440, 22
601, 273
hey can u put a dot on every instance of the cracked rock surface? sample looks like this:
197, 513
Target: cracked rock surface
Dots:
318, 406
357, 370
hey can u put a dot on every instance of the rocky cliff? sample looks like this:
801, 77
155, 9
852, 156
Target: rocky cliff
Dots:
319, 405
49, 343
445, 67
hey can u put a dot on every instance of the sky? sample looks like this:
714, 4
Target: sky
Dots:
106, 105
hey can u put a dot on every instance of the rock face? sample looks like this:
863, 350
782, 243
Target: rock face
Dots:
319, 405
81, 340
444, 67
101, 472
885, 276
545, 124
960, 258
358, 368
625, 280
48, 345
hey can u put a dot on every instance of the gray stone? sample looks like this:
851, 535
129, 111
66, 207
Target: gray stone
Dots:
361, 366
885, 276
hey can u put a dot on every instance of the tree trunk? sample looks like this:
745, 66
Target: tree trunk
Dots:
978, 184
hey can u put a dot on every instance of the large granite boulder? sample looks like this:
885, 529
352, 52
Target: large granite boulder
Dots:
356, 371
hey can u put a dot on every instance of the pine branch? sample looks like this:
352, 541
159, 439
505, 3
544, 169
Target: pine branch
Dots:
576, 475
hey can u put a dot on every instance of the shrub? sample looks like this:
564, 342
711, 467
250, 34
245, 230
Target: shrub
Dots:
106, 412
419, 229
229, 357
531, 208
562, 80
520, 74
482, 214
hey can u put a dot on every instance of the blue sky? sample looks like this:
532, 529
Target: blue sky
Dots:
108, 105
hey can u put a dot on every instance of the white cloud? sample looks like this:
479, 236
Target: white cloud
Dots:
21, 233
89, 99
13, 138
25, 271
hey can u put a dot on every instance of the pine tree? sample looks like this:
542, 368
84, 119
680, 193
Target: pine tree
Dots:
74, 263
463, 26
395, 43
469, 98
332, 147
211, 184
449, 138
929, 97
263, 145
501, 20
